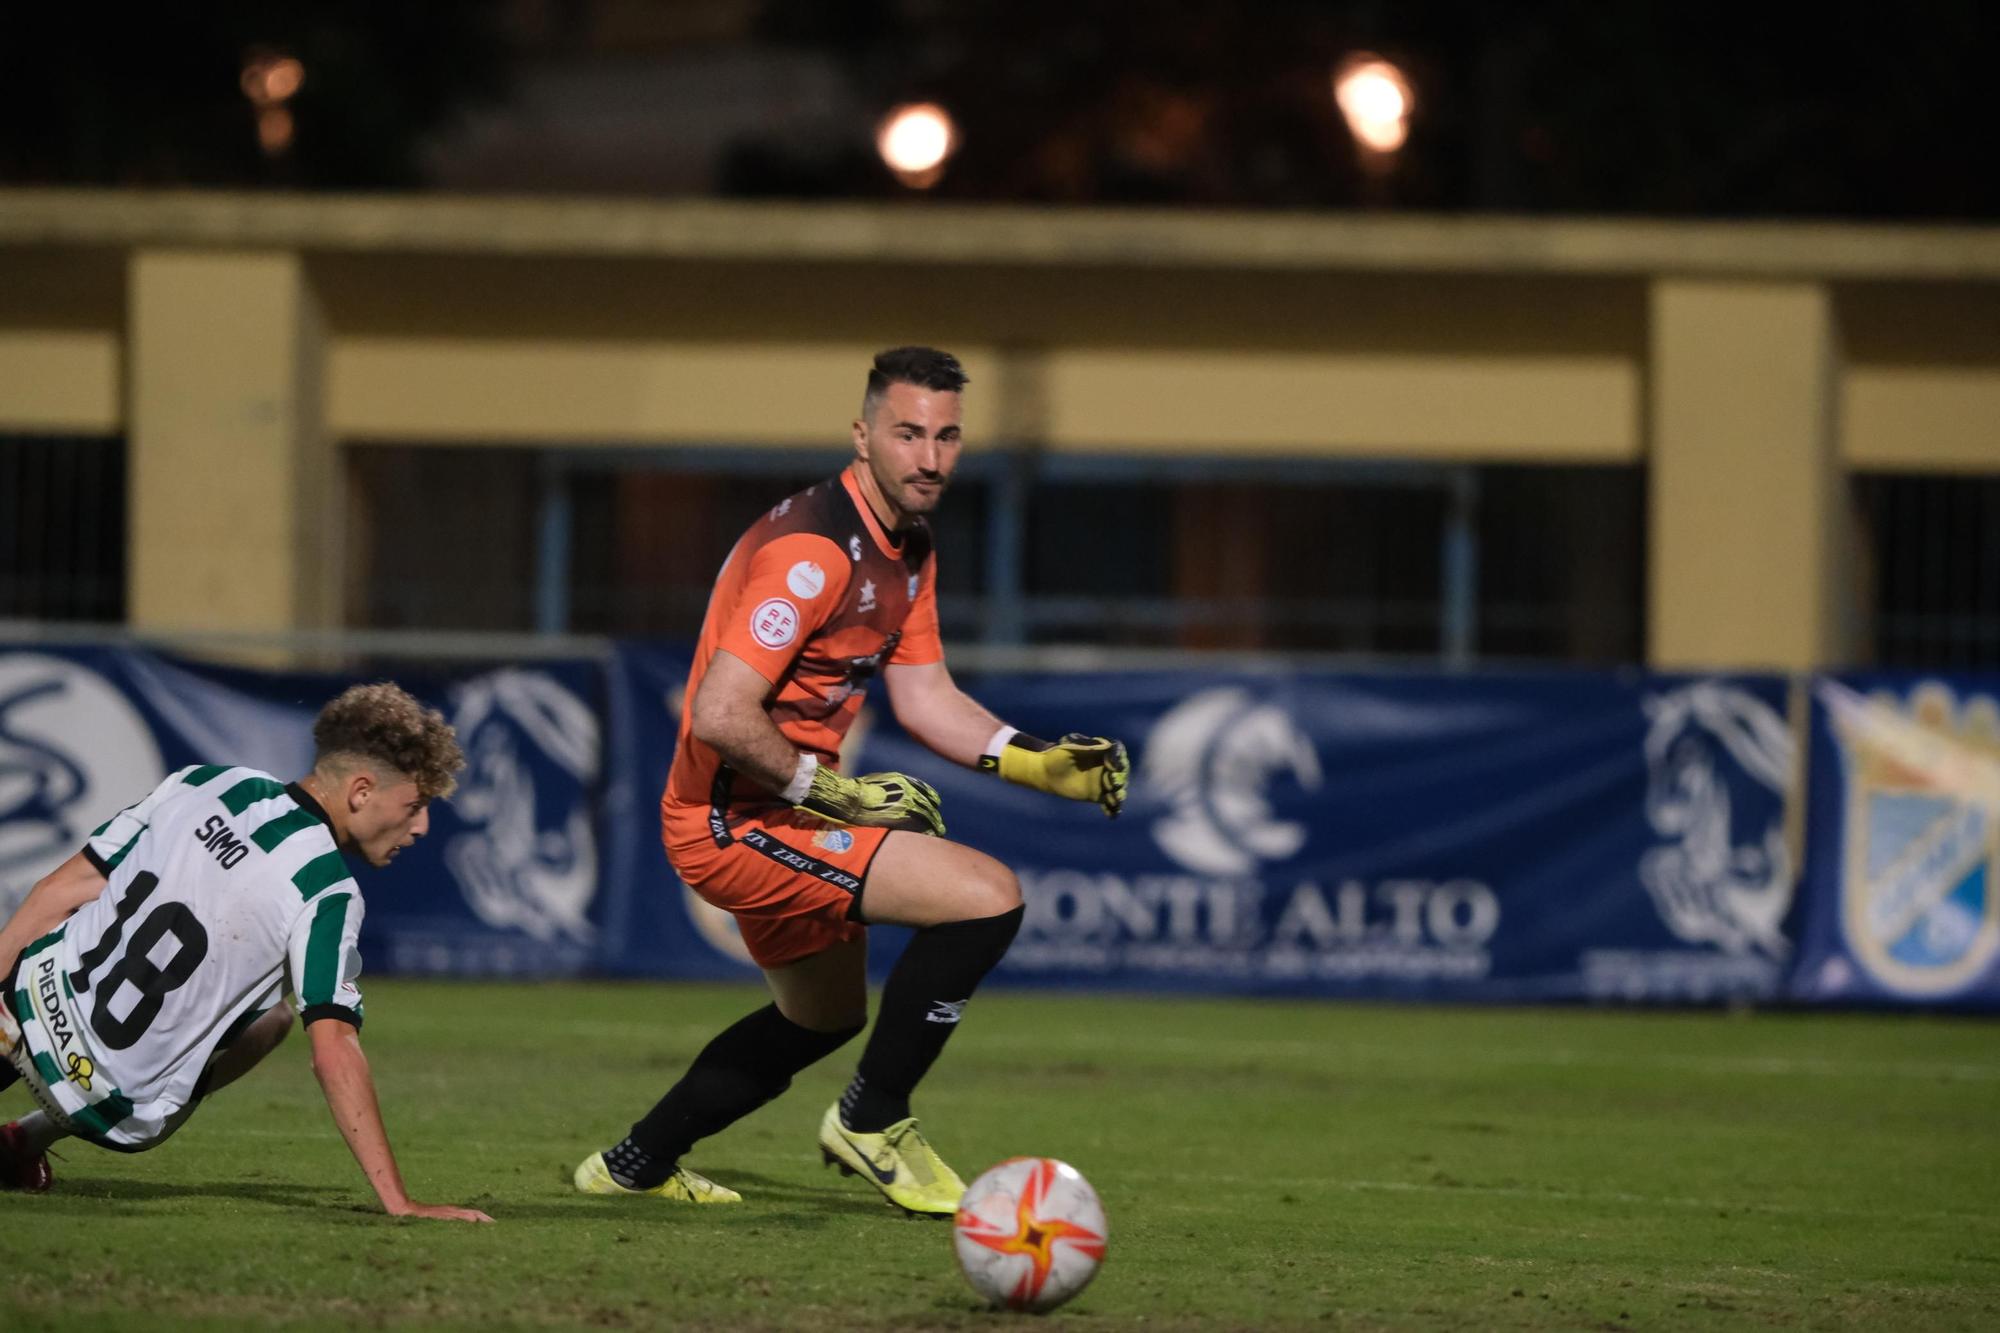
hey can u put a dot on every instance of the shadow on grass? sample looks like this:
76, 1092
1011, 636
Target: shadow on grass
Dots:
95, 1191
767, 1202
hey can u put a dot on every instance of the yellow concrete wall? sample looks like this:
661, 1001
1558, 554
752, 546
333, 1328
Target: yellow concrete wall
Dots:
60, 381
1131, 402
238, 339
449, 391
232, 485
1465, 408
1746, 544
1921, 418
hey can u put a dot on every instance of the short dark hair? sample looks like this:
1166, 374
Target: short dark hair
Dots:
382, 724
925, 367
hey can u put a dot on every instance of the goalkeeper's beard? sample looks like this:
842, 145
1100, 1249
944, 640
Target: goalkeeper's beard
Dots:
919, 494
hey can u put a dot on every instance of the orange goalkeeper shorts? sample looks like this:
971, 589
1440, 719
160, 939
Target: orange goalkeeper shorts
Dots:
788, 877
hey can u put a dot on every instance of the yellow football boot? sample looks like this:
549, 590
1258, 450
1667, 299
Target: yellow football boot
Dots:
896, 1161
683, 1186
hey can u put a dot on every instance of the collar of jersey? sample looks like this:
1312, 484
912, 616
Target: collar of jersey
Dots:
875, 529
308, 804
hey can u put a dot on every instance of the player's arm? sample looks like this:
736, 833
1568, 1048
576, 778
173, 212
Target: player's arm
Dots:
728, 714
55, 896
931, 707
343, 1076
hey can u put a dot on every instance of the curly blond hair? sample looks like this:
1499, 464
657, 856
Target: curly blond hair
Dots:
382, 724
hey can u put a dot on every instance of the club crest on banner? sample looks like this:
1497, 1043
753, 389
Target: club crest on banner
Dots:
73, 752
1922, 835
522, 861
1717, 878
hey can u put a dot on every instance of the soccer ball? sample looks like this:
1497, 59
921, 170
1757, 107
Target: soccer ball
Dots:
1029, 1233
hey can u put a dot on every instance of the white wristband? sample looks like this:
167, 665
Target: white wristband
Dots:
802, 779
999, 741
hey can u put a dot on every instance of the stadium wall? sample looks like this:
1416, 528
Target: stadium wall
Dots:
240, 341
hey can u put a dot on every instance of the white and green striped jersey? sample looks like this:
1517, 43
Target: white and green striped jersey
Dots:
225, 891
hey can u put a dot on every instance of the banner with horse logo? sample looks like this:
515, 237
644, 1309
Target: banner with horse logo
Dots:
1482, 837
506, 882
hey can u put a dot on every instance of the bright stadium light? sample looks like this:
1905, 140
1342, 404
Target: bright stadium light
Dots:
915, 141
269, 81
1376, 100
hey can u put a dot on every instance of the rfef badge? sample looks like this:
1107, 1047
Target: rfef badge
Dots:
1922, 845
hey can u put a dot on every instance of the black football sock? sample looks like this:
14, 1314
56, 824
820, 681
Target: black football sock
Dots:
751, 1062
921, 1004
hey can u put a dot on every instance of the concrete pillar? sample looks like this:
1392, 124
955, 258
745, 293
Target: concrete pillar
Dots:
1748, 500
235, 497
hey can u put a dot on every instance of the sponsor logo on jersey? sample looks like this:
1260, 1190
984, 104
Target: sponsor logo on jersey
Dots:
524, 854
806, 580
73, 753
867, 602
80, 1070
784, 508
1212, 758
913, 587
48, 996
834, 840
774, 623
854, 548
1920, 881
1717, 878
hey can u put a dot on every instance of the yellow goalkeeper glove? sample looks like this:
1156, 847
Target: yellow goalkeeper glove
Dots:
876, 800
1079, 767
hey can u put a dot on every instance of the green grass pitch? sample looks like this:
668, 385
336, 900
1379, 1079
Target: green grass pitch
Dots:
1264, 1165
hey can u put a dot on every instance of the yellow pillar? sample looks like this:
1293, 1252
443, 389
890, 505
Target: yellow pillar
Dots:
1747, 497
235, 498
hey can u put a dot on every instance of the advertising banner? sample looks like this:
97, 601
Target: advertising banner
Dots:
1904, 830
1506, 837
1492, 837
506, 881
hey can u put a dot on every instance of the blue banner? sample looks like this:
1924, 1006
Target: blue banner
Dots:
1492, 837
1497, 838
1504, 838
505, 883
654, 925
1902, 903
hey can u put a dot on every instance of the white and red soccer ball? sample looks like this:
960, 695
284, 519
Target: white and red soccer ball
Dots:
1029, 1233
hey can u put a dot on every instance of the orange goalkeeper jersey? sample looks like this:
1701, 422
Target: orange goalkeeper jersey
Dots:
818, 597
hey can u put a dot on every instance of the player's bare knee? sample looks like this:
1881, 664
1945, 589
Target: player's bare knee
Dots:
997, 889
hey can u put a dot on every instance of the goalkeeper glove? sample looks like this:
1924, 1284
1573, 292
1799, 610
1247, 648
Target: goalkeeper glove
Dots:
876, 800
1079, 767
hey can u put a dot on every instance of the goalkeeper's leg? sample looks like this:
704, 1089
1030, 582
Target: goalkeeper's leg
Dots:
967, 907
822, 1002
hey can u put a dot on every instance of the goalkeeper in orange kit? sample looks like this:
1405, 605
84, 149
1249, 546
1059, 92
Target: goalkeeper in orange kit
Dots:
835, 586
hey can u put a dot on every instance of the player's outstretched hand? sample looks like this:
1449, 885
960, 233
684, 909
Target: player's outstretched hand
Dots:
875, 800
1079, 767
440, 1212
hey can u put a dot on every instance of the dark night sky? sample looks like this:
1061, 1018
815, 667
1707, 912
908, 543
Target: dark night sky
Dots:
1574, 106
